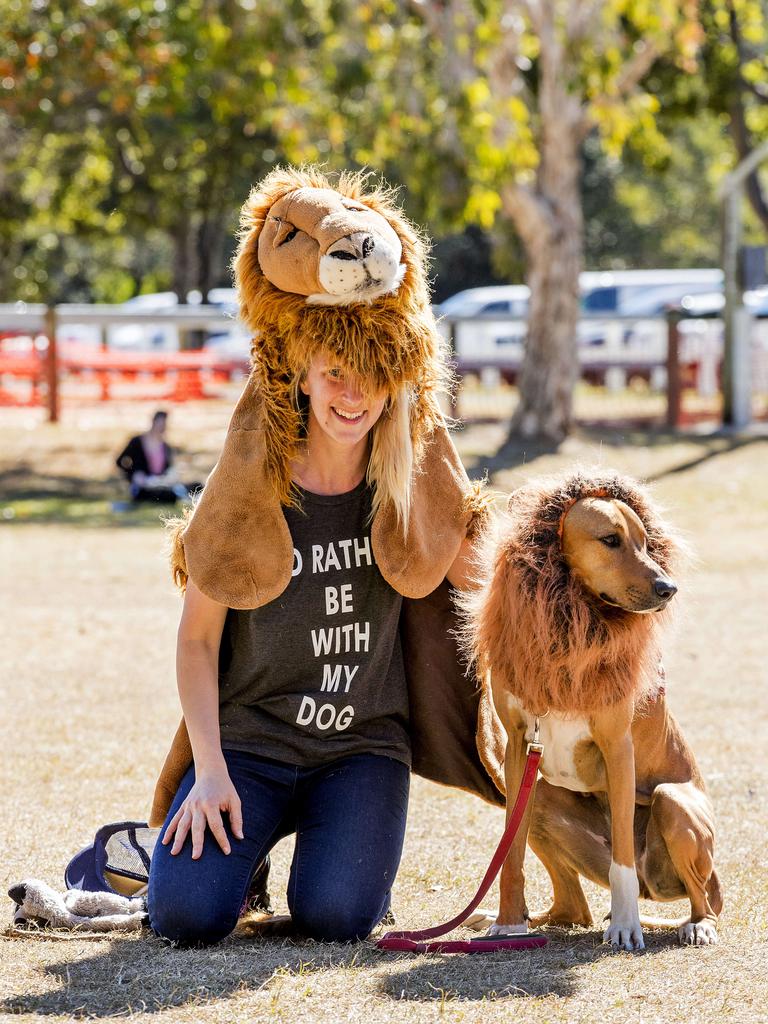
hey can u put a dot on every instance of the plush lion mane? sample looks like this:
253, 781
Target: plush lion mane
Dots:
391, 340
534, 626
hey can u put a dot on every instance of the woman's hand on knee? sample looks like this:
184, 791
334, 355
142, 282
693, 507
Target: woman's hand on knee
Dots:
211, 794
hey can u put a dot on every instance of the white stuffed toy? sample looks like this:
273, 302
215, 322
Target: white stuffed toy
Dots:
36, 902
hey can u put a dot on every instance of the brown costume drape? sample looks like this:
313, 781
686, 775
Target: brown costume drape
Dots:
238, 551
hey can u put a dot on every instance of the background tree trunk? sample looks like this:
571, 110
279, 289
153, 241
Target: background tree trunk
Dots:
550, 366
550, 223
183, 256
209, 242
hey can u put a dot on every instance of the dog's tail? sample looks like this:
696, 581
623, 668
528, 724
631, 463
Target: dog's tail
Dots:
663, 922
266, 926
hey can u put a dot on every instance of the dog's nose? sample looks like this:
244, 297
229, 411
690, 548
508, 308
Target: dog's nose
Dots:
665, 588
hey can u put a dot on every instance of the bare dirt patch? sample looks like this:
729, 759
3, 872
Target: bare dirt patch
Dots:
89, 706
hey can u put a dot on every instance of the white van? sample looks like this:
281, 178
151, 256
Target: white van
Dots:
623, 292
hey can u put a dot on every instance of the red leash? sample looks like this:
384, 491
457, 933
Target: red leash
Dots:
416, 941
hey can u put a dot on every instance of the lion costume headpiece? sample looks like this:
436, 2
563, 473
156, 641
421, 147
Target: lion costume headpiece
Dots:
337, 268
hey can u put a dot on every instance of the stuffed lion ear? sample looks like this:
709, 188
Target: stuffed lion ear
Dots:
236, 547
278, 231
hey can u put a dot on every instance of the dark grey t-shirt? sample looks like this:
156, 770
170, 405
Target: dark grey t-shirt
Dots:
318, 673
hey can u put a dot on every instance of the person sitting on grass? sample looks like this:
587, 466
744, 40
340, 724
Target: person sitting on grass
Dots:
147, 463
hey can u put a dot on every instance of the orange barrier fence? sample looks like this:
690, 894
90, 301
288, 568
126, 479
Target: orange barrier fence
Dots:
37, 358
27, 367
677, 357
104, 374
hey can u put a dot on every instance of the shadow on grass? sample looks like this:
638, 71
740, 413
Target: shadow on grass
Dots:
148, 976
82, 512
28, 496
719, 444
524, 974
23, 483
517, 451
513, 451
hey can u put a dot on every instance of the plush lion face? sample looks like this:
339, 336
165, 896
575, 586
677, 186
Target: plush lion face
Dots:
317, 242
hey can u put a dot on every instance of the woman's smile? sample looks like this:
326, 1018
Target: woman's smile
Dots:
349, 417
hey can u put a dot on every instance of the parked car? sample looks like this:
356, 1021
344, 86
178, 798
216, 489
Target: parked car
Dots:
640, 293
711, 304
138, 337
487, 339
631, 292
500, 300
151, 337
229, 341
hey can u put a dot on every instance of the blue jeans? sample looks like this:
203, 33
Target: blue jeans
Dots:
349, 820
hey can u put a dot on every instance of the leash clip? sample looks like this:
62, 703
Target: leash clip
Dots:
535, 745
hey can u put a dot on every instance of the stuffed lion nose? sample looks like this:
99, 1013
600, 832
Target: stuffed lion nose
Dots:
354, 247
665, 588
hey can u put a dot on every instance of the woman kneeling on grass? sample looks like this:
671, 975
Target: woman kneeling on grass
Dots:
271, 756
338, 492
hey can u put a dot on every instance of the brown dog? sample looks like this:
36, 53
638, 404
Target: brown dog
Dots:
566, 625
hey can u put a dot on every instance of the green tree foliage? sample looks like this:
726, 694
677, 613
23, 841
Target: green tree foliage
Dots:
131, 130
524, 84
660, 209
658, 204
734, 80
145, 116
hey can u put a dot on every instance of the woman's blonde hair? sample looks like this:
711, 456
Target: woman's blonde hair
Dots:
390, 466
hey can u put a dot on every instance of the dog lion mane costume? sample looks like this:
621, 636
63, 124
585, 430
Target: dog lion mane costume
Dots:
536, 628
338, 269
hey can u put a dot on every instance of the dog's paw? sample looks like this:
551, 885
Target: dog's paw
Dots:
624, 935
500, 930
481, 920
700, 933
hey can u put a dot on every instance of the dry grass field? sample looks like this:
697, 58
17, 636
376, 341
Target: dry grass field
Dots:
89, 705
